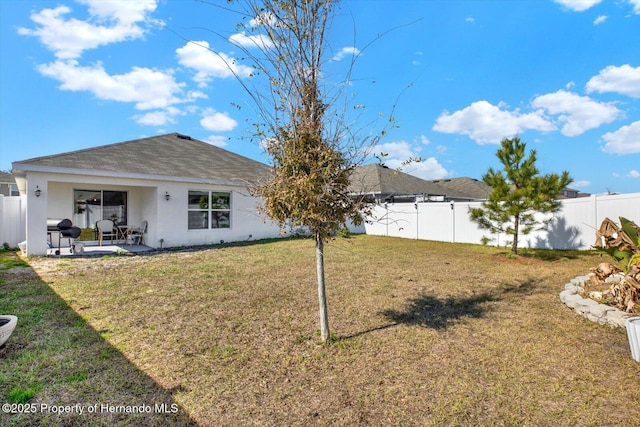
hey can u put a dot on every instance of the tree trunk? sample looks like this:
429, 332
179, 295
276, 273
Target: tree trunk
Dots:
514, 245
322, 296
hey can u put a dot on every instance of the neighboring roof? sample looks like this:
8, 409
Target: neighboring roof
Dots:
172, 155
7, 178
464, 188
378, 179
571, 193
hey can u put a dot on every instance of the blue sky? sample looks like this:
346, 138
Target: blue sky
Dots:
563, 75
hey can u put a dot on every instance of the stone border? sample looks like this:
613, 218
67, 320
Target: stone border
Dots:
599, 313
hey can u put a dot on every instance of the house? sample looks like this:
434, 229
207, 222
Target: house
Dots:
8, 185
570, 193
464, 189
190, 192
384, 185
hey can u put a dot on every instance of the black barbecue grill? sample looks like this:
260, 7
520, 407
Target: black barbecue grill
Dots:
65, 230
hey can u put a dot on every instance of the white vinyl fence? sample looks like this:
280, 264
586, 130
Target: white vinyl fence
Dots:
573, 227
12, 219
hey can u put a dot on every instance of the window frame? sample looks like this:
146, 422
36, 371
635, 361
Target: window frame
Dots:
100, 201
208, 210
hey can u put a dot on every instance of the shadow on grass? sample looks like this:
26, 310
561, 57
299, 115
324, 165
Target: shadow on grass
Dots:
55, 359
429, 311
432, 312
554, 254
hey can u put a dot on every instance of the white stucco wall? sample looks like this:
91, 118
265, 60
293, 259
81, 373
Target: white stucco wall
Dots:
246, 223
145, 201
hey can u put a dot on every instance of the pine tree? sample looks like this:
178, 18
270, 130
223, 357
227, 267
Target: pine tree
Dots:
519, 192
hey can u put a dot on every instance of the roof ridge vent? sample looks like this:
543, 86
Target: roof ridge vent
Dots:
181, 136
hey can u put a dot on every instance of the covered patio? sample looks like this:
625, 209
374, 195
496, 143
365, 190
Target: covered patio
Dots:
93, 249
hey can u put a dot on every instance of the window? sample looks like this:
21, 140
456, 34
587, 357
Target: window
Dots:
93, 205
209, 209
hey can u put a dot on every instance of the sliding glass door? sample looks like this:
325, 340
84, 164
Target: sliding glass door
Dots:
91, 206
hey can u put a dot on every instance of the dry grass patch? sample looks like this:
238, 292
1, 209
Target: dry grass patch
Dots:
425, 333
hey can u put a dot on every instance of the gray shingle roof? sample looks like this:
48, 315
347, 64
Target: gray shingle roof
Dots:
172, 155
6, 177
464, 187
379, 179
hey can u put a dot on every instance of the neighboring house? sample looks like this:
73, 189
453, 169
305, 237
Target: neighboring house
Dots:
570, 193
188, 191
464, 189
473, 190
8, 186
385, 185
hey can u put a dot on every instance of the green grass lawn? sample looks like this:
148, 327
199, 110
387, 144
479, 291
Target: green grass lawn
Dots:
423, 333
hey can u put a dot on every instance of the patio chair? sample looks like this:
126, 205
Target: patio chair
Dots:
105, 229
137, 234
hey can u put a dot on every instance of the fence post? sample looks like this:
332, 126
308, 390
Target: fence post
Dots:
2, 221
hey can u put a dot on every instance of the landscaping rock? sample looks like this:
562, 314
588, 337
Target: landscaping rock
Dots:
592, 310
571, 287
580, 280
584, 305
617, 318
600, 310
564, 294
614, 278
571, 300
593, 318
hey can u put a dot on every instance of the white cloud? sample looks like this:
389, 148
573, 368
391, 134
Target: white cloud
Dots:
600, 19
469, 19
159, 118
578, 113
209, 64
217, 122
636, 6
260, 40
125, 12
489, 124
625, 140
192, 95
148, 88
581, 183
344, 52
426, 168
424, 140
401, 151
634, 173
624, 80
578, 5
109, 22
217, 140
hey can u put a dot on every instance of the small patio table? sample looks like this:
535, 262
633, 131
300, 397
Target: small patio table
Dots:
123, 232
